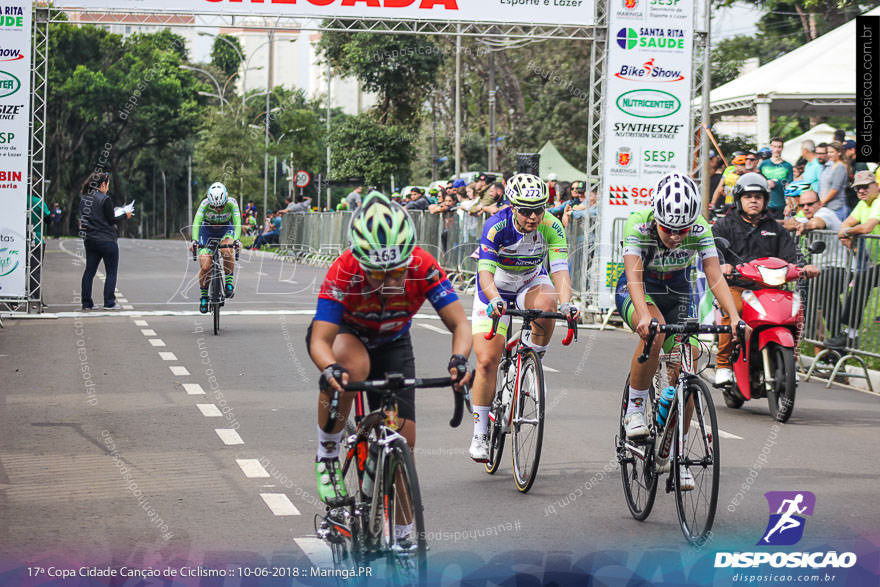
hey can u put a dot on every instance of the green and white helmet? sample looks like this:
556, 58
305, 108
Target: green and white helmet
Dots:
382, 234
526, 190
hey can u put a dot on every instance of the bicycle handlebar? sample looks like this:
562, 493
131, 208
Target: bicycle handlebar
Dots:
532, 315
689, 327
195, 250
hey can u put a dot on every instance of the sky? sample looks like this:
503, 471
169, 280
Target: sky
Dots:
737, 20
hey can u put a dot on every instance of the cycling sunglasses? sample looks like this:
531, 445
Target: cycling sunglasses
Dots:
673, 231
536, 210
805, 204
380, 275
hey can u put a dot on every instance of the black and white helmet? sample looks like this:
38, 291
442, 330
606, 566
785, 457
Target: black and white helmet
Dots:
677, 203
217, 195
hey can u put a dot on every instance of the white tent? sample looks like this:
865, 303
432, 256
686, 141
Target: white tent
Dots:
821, 133
552, 161
818, 78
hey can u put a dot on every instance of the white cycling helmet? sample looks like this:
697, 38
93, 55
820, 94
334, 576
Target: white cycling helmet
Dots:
677, 204
217, 195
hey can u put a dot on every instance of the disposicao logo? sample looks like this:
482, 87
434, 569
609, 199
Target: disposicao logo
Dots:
9, 84
648, 103
786, 528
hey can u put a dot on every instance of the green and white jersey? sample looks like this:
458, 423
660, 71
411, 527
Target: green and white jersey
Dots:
640, 238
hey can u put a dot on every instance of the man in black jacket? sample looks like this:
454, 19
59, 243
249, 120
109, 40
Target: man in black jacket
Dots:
752, 234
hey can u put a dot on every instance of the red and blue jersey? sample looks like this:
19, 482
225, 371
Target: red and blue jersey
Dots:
347, 298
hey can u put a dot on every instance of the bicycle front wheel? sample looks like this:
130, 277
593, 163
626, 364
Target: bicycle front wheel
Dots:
404, 538
528, 421
496, 436
637, 470
699, 453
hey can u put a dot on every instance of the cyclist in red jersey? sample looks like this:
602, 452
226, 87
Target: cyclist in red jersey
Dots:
361, 326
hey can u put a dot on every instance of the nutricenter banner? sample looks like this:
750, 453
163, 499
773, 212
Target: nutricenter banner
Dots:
557, 12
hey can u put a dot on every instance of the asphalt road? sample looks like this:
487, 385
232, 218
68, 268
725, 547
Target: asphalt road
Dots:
138, 438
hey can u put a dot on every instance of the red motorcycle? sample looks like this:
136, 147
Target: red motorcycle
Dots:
766, 366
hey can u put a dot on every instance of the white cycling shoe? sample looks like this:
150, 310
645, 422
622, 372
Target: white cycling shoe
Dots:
480, 448
634, 422
723, 376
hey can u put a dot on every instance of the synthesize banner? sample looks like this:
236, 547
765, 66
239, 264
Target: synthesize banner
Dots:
558, 12
647, 111
15, 90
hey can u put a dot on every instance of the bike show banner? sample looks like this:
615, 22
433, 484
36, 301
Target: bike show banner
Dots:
15, 81
560, 12
647, 111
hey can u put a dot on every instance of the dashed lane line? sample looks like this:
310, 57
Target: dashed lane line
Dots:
140, 323
166, 356
433, 328
209, 410
280, 504
157, 342
193, 389
148, 332
252, 468
229, 436
179, 370
316, 549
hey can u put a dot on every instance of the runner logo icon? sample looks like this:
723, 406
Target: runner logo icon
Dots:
786, 524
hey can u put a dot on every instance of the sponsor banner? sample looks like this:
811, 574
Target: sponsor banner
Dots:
559, 12
15, 65
648, 106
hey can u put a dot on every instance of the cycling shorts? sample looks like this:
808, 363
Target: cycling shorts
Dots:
394, 357
213, 233
511, 291
672, 298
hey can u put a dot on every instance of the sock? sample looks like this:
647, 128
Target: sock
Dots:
402, 530
328, 444
229, 279
636, 401
527, 340
204, 292
481, 420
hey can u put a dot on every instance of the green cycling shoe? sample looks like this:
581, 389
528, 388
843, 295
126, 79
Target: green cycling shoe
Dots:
331, 487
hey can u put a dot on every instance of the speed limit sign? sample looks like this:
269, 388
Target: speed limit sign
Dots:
302, 179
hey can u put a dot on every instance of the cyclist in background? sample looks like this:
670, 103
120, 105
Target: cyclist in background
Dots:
515, 242
361, 326
660, 244
218, 218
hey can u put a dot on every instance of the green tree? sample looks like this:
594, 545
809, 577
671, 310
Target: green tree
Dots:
231, 154
363, 148
224, 57
400, 68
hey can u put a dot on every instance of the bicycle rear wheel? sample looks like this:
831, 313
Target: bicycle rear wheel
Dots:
497, 438
404, 538
528, 421
700, 454
638, 473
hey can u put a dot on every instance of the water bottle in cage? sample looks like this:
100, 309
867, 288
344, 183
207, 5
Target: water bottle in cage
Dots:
370, 470
664, 402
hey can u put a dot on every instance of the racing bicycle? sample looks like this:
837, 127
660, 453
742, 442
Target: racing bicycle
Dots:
687, 438
382, 485
216, 289
518, 405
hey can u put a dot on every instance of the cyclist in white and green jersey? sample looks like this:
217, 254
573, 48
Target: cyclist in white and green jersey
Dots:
217, 219
511, 270
660, 244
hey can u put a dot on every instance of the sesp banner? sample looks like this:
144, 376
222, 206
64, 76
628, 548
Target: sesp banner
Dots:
15, 83
557, 12
647, 112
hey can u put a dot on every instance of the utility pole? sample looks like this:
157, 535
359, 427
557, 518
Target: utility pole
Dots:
164, 206
189, 185
434, 153
269, 81
458, 102
492, 142
328, 134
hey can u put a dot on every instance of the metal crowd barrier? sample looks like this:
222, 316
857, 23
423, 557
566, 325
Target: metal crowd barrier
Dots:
319, 238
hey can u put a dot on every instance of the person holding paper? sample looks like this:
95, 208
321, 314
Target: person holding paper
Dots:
98, 230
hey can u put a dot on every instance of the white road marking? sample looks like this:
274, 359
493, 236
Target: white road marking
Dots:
551, 369
280, 504
148, 332
165, 356
209, 410
140, 323
317, 551
228, 436
122, 300
127, 307
721, 432
433, 328
179, 370
157, 342
252, 468
193, 389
